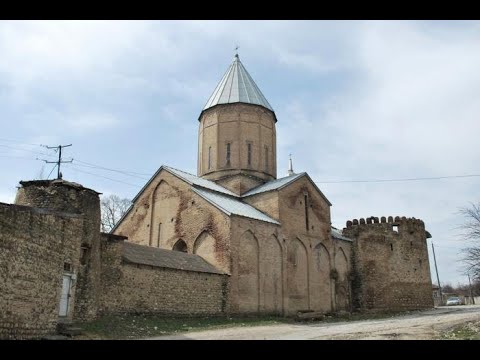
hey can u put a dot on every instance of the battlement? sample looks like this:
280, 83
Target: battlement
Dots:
394, 221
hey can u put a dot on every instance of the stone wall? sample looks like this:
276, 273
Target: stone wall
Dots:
136, 288
257, 282
310, 252
34, 245
65, 196
391, 267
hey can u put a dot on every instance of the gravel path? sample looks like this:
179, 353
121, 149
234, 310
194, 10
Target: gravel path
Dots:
420, 325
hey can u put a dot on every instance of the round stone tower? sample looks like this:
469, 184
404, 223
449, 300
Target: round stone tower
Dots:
237, 137
72, 198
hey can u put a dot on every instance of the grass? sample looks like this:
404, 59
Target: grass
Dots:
131, 326
140, 326
468, 331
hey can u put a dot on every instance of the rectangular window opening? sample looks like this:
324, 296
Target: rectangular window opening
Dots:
249, 154
228, 153
159, 234
306, 210
266, 158
209, 157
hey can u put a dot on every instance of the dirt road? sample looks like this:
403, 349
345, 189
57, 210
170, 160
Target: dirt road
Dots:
419, 325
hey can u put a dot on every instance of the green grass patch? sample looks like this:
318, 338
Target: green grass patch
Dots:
468, 331
137, 326
131, 326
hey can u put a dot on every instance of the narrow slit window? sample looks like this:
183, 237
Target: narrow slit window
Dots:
159, 234
266, 158
209, 157
306, 210
228, 153
249, 154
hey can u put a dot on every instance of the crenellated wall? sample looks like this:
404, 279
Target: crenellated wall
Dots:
390, 264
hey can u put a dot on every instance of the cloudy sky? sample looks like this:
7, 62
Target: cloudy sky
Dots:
354, 100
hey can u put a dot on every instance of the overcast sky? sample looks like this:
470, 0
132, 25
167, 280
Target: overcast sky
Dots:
354, 100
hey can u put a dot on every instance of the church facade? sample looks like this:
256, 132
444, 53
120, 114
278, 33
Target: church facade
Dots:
272, 236
232, 239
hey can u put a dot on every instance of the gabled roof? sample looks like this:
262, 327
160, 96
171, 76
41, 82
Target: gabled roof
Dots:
148, 255
230, 202
337, 234
198, 181
189, 178
281, 183
237, 86
273, 185
230, 205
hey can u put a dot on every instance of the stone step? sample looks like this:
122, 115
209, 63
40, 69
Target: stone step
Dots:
310, 315
55, 337
69, 330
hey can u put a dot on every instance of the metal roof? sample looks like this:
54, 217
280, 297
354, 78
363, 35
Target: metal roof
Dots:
282, 182
337, 234
273, 185
237, 86
148, 255
230, 205
198, 181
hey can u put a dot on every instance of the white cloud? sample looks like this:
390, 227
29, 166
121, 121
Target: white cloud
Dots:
7, 197
87, 122
369, 100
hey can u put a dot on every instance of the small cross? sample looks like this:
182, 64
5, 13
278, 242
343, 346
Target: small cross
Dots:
236, 49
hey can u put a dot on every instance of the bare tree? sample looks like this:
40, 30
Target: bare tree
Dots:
471, 232
113, 208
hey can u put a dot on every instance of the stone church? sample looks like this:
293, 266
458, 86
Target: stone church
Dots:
273, 236
233, 239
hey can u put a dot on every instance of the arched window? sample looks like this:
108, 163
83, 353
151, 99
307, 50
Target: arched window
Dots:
181, 246
249, 154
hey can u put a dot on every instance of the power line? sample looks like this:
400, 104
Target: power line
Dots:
105, 177
19, 142
128, 173
30, 151
392, 180
51, 171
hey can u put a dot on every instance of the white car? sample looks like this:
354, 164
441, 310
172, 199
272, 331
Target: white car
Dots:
454, 301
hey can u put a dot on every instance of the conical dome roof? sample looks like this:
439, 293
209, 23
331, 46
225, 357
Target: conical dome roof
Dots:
237, 86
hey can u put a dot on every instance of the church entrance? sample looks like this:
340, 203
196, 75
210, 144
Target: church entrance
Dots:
65, 295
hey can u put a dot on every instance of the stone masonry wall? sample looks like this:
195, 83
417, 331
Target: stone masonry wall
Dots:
61, 195
237, 125
169, 211
146, 289
391, 267
34, 244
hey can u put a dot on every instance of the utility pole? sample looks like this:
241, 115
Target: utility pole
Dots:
471, 292
59, 161
438, 278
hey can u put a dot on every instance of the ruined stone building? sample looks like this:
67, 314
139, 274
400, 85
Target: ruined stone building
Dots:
233, 239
